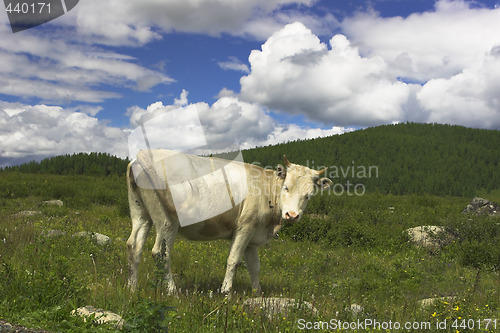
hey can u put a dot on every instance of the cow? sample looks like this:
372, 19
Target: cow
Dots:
261, 200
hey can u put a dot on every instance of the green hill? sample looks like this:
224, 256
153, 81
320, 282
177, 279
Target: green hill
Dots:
403, 158
398, 159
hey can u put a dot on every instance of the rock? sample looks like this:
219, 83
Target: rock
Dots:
27, 213
53, 233
58, 203
6, 327
99, 238
356, 309
481, 206
426, 302
429, 236
101, 316
273, 306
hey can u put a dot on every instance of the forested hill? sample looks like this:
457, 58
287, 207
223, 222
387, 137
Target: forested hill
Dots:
398, 159
409, 158
93, 164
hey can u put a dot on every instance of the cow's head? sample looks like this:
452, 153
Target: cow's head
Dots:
300, 183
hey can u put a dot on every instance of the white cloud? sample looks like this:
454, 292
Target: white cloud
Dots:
469, 98
295, 72
234, 64
57, 69
117, 22
423, 46
452, 51
284, 133
439, 66
41, 130
227, 124
182, 100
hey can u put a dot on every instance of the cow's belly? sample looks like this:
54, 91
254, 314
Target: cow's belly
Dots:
206, 230
218, 227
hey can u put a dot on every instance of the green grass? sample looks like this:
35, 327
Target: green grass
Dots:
346, 250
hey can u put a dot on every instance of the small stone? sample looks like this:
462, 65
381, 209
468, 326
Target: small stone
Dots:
356, 308
426, 302
272, 306
99, 238
27, 213
53, 233
58, 203
101, 316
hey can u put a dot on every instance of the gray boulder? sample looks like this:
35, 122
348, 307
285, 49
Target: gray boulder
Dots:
427, 302
99, 238
27, 213
429, 236
101, 316
481, 206
272, 306
53, 233
356, 309
58, 203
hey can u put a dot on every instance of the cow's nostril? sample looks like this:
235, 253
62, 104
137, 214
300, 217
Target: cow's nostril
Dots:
291, 216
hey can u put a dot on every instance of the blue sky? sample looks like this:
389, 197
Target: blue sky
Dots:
257, 72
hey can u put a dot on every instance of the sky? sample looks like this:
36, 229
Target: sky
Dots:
255, 72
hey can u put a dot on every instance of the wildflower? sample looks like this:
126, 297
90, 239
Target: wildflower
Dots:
434, 314
456, 309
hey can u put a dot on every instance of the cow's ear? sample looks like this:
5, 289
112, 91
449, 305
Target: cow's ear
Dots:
287, 162
281, 171
324, 183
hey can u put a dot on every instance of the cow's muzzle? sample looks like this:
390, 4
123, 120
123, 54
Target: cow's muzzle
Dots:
291, 216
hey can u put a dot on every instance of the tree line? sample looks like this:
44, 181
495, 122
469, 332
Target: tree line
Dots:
91, 164
407, 158
411, 158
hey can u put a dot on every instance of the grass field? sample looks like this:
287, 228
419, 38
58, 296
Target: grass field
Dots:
347, 250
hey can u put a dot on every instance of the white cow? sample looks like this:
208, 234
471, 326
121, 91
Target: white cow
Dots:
260, 199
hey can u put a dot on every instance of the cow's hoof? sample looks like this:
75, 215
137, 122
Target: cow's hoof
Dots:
225, 290
132, 287
172, 290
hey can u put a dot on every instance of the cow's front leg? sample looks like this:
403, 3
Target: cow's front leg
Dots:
238, 245
253, 265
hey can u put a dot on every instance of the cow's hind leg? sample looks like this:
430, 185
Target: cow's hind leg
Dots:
135, 244
165, 238
253, 265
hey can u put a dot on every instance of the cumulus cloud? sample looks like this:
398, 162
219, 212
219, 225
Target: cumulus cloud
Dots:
296, 73
423, 46
226, 125
438, 66
450, 52
29, 131
469, 98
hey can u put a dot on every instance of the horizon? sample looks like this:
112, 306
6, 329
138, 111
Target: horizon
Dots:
312, 165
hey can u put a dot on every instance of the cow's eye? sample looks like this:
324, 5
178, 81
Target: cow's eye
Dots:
285, 188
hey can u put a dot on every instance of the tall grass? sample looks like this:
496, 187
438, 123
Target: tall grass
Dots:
346, 250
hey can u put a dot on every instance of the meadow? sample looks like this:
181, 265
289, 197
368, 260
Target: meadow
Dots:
346, 250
